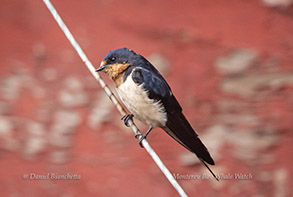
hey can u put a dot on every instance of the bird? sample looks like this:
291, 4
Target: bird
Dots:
149, 98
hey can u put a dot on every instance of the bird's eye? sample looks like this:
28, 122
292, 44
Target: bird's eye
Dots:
113, 59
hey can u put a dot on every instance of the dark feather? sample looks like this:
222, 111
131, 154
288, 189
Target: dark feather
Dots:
127, 72
157, 88
178, 126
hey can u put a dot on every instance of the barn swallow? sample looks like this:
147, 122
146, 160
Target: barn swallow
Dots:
149, 98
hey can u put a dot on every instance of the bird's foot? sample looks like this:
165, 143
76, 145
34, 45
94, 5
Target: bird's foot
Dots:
127, 117
142, 136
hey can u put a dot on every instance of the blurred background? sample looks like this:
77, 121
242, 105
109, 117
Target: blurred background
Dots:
229, 63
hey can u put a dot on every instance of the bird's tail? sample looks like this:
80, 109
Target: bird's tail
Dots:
204, 163
179, 128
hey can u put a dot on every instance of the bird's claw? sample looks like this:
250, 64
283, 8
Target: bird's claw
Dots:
140, 137
127, 117
137, 136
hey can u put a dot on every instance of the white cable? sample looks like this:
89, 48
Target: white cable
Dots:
113, 97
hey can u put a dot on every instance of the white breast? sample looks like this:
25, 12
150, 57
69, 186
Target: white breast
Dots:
140, 105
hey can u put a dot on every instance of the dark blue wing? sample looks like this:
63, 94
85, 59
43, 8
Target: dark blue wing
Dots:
176, 124
157, 88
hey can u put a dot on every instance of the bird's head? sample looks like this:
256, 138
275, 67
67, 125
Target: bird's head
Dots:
116, 62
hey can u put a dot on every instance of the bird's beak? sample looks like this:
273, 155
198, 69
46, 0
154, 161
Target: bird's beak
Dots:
102, 66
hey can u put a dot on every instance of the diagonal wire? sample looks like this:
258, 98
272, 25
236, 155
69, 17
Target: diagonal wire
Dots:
113, 98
